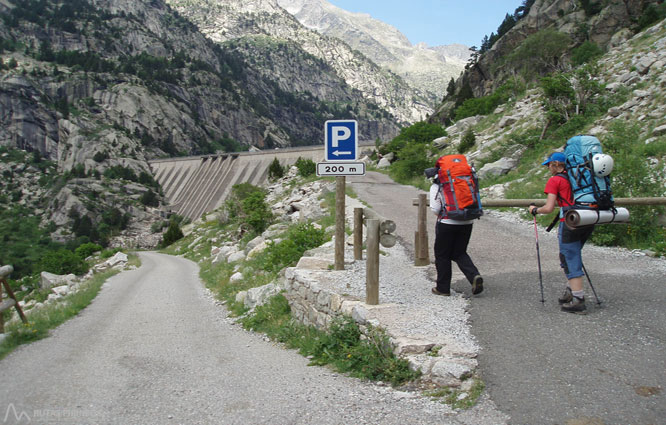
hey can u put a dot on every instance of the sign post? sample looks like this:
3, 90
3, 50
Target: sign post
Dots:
340, 152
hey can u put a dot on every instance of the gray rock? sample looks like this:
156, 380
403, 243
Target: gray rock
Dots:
261, 295
507, 121
253, 243
236, 256
644, 64
384, 163
50, 280
614, 86
498, 168
60, 290
659, 131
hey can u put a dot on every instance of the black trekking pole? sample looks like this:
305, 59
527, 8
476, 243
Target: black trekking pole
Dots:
591, 286
536, 234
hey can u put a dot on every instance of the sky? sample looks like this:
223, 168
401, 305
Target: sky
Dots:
437, 22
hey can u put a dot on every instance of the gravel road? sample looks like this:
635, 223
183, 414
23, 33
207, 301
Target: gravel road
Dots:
542, 366
154, 348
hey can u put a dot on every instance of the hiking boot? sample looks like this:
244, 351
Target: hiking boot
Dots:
436, 292
566, 297
477, 285
576, 305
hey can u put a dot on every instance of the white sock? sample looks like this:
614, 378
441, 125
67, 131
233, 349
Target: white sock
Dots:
578, 294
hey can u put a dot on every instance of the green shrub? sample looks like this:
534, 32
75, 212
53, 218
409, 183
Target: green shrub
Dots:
63, 261
632, 177
421, 132
256, 212
585, 53
468, 141
87, 249
172, 234
485, 105
289, 250
539, 52
652, 14
118, 172
275, 170
233, 206
306, 167
369, 357
149, 198
344, 347
413, 159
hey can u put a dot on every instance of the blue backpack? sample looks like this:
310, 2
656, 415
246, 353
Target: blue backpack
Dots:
589, 189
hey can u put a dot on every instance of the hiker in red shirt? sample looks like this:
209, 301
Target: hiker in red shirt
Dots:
558, 191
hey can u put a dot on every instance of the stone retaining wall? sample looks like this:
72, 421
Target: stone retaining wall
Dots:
314, 304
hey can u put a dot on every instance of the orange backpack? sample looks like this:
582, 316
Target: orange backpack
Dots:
459, 187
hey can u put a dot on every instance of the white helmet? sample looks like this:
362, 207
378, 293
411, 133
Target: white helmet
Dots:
602, 164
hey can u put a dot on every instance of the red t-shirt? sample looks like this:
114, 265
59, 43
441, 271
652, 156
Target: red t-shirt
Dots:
559, 185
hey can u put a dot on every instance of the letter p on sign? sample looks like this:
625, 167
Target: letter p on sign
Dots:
341, 140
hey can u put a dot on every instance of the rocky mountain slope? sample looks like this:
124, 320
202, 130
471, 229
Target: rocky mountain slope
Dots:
249, 22
580, 21
429, 69
98, 87
632, 72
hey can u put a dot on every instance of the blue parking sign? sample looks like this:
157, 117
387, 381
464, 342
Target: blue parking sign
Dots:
341, 142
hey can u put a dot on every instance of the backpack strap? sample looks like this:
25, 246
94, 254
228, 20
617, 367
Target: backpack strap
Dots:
557, 217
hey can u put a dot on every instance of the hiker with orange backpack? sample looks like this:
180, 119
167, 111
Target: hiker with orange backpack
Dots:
454, 198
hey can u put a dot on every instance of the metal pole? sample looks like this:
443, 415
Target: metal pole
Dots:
340, 223
372, 263
536, 235
358, 233
591, 286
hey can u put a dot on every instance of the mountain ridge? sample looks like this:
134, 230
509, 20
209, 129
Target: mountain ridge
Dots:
235, 19
428, 69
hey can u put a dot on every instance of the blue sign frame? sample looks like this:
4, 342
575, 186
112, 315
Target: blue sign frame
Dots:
341, 140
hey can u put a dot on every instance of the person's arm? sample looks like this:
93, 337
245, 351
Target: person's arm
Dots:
435, 199
551, 201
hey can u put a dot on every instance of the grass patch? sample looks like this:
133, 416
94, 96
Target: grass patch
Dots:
457, 398
344, 348
48, 317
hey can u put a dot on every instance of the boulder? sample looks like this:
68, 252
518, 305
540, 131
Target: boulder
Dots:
260, 295
659, 131
498, 168
60, 290
383, 163
236, 256
507, 121
119, 258
50, 280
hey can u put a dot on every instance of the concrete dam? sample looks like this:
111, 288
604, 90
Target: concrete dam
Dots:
197, 185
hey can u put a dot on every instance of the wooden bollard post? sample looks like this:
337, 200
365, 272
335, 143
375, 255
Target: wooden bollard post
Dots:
340, 223
358, 233
2, 318
372, 263
421, 255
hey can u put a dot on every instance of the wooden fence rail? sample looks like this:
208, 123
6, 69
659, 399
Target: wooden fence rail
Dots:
620, 202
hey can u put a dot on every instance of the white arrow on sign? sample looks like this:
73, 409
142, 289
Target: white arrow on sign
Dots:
338, 153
